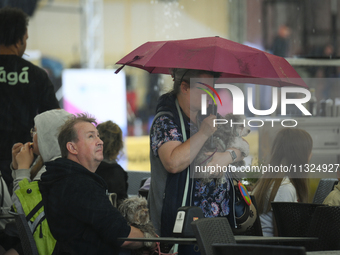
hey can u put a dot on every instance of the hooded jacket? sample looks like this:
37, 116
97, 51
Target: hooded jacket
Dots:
47, 124
78, 210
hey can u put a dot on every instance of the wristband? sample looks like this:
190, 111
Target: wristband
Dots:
233, 155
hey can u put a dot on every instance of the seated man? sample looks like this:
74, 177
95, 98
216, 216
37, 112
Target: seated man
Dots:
79, 213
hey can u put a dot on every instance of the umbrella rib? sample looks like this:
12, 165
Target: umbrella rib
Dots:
153, 56
272, 67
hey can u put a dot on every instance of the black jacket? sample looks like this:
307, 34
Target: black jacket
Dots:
25, 91
78, 210
115, 177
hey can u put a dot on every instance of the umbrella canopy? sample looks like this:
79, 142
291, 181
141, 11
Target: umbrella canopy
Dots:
231, 59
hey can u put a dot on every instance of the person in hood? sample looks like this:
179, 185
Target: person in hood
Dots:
78, 210
46, 147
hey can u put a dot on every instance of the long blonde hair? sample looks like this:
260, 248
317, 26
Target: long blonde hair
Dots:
291, 147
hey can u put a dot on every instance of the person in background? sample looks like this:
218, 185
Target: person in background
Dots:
333, 198
281, 44
113, 174
78, 210
6, 241
291, 146
45, 146
25, 89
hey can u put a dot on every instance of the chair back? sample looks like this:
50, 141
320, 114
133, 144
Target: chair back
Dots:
143, 192
293, 219
212, 230
325, 225
257, 249
27, 241
134, 181
324, 188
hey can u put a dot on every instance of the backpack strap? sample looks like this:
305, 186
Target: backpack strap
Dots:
33, 225
34, 210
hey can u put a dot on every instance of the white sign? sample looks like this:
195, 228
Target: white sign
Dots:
101, 93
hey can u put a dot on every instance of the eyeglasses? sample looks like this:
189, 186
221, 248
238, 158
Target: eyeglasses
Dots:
33, 132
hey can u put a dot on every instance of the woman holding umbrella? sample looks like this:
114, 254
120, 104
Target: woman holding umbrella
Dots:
171, 155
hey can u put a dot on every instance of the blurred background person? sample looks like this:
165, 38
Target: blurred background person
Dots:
6, 241
333, 198
25, 89
291, 146
280, 45
113, 174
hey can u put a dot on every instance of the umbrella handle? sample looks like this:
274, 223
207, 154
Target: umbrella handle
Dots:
212, 136
213, 112
212, 109
212, 144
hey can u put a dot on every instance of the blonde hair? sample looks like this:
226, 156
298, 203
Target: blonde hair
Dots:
292, 146
111, 134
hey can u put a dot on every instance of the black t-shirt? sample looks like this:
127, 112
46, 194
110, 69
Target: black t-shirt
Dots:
25, 91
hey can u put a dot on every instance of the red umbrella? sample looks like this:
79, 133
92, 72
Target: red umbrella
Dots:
233, 60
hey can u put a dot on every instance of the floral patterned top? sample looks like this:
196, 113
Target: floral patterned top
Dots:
213, 200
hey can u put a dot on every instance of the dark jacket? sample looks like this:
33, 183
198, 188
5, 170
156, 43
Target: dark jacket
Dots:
25, 91
115, 177
78, 210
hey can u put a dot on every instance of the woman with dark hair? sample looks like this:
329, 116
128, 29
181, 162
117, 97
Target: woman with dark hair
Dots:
292, 146
113, 174
171, 155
